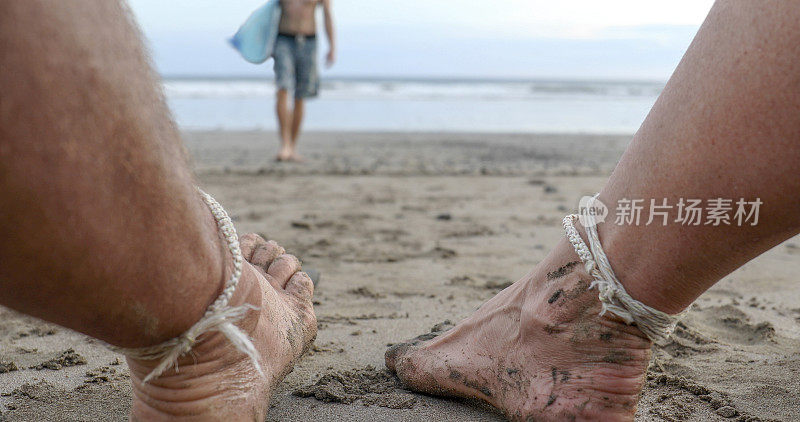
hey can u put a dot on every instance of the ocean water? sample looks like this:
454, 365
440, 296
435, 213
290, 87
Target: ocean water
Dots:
541, 106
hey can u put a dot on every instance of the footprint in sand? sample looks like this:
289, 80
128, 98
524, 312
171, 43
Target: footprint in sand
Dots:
728, 324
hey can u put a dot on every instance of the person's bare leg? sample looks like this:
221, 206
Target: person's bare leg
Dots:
726, 126
284, 125
103, 230
297, 122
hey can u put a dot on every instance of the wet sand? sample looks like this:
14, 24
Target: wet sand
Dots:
409, 231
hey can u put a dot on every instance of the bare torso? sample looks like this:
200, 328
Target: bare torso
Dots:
297, 17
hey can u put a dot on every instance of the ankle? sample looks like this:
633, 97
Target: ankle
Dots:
211, 346
193, 386
641, 280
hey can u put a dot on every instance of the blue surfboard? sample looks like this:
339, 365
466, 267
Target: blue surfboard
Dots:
255, 39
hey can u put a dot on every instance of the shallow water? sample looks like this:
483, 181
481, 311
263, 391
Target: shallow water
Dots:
603, 107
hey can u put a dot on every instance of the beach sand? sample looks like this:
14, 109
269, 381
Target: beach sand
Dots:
412, 230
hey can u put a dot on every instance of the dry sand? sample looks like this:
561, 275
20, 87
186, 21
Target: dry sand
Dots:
412, 230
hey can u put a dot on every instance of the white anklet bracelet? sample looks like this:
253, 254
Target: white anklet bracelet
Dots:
656, 325
218, 317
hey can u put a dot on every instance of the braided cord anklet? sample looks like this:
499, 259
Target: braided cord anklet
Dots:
218, 317
656, 325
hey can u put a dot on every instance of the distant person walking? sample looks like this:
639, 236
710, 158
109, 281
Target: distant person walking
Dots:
296, 66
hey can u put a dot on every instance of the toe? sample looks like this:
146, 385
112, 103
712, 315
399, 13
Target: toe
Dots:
248, 244
394, 353
265, 253
301, 286
300, 289
421, 370
282, 269
413, 367
400, 349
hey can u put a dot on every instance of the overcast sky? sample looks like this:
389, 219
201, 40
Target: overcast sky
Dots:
585, 39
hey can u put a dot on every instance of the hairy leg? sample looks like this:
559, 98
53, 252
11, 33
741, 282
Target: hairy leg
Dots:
103, 230
285, 125
726, 126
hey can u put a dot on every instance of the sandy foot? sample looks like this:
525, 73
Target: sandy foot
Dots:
218, 382
536, 351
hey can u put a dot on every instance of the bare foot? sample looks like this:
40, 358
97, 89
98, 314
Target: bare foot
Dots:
285, 154
297, 158
536, 351
220, 383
